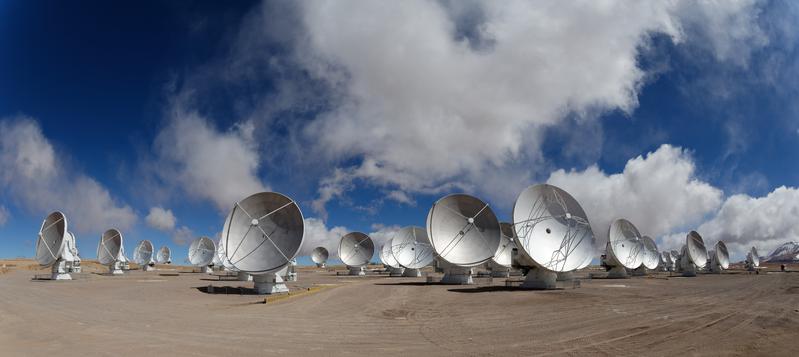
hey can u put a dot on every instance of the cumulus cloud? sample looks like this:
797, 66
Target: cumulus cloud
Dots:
659, 193
182, 235
36, 178
161, 219
318, 235
195, 158
429, 94
763, 222
4, 215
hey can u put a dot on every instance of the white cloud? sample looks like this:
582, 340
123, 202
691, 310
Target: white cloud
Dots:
38, 180
182, 235
318, 235
429, 95
659, 193
195, 158
4, 215
161, 219
764, 222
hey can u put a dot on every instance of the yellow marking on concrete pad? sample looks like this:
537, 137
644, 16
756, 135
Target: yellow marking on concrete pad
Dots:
293, 294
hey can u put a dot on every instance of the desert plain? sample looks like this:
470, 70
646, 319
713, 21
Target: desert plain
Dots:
172, 311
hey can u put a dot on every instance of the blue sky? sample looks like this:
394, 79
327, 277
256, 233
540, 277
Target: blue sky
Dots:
367, 114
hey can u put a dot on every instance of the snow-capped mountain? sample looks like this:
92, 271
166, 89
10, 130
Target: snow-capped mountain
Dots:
788, 252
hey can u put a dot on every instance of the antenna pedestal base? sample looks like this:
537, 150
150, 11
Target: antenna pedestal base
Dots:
395, 271
455, 275
715, 269
565, 276
59, 271
242, 276
357, 271
147, 267
689, 271
640, 271
269, 284
540, 279
411, 273
618, 272
321, 266
114, 269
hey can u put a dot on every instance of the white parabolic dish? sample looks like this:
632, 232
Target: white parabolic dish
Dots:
356, 249
263, 233
387, 257
201, 252
504, 254
695, 248
651, 256
110, 247
319, 255
755, 257
463, 230
222, 258
412, 248
722, 255
144, 253
624, 244
552, 229
52, 237
164, 255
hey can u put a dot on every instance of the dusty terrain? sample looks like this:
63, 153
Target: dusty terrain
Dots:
146, 313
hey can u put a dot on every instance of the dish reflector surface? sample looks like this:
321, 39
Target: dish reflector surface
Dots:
356, 249
387, 256
143, 253
110, 247
624, 244
164, 254
463, 230
552, 229
202, 251
504, 253
695, 247
651, 256
411, 247
755, 257
722, 255
319, 255
50, 242
220, 255
263, 233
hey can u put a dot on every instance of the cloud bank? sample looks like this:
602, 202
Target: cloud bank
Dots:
161, 219
35, 177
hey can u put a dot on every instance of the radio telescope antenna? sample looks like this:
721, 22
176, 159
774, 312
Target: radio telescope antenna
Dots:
319, 256
51, 248
356, 250
624, 249
164, 256
752, 260
110, 251
694, 254
667, 261
387, 257
553, 235
500, 264
143, 255
650, 257
201, 254
262, 234
719, 258
227, 265
71, 255
412, 250
464, 233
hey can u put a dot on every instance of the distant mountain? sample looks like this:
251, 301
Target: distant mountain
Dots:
786, 253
